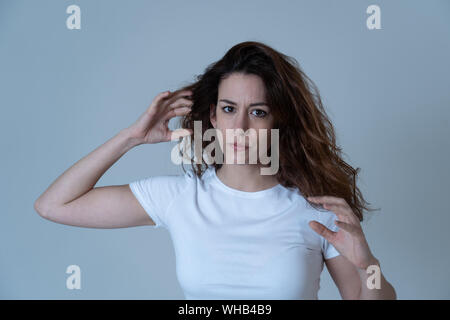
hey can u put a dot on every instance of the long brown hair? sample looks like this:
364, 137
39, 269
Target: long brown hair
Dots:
309, 158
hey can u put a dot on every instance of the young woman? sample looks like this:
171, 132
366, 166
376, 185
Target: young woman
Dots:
237, 233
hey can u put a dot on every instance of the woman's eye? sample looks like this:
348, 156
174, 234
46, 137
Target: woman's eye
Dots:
262, 113
227, 107
259, 113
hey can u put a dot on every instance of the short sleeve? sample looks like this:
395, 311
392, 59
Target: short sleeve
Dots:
156, 193
328, 250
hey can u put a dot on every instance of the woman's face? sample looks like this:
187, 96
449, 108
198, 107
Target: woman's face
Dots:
241, 105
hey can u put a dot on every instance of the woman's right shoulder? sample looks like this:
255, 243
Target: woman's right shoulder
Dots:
163, 187
171, 180
173, 184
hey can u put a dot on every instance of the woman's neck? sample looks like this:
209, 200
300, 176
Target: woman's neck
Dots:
245, 177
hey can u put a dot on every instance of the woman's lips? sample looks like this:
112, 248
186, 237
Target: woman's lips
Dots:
239, 147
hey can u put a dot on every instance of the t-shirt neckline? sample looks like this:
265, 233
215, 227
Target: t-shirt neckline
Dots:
246, 194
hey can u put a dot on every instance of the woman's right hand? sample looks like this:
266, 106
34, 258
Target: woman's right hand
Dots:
152, 125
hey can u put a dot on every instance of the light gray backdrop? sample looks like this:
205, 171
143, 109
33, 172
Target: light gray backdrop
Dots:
64, 92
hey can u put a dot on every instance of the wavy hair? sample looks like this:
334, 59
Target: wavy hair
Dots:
309, 158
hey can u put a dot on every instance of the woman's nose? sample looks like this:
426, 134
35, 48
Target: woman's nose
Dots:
241, 122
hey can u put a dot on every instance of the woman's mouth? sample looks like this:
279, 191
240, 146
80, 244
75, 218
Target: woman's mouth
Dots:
239, 146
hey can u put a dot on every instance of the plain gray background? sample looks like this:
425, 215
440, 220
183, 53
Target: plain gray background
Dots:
65, 92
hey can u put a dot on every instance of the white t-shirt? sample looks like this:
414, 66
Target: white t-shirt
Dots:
233, 244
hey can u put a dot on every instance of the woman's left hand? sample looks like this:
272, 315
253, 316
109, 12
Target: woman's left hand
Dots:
349, 240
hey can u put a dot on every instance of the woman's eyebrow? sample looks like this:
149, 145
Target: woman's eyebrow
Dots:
251, 105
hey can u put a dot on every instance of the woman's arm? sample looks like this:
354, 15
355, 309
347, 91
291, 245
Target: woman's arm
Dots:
358, 284
72, 198
373, 284
349, 269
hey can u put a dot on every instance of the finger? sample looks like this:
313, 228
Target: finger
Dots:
158, 99
322, 230
342, 212
183, 93
182, 102
345, 226
177, 95
181, 111
327, 199
179, 133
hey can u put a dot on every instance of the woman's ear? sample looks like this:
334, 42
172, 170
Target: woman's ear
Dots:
212, 115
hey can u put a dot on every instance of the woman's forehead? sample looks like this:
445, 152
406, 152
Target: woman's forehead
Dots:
247, 88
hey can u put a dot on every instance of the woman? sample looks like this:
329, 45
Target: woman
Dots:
238, 233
